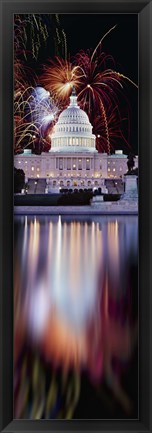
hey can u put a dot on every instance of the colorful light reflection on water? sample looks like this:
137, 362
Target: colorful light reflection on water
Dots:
76, 298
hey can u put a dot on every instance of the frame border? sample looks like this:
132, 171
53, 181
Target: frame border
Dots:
144, 10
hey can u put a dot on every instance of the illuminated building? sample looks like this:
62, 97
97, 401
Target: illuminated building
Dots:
73, 161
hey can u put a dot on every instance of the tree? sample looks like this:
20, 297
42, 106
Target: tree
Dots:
130, 162
19, 180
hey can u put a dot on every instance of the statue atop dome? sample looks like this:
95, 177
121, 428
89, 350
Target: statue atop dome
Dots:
73, 93
73, 98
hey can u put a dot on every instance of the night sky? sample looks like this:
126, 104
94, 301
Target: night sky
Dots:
84, 31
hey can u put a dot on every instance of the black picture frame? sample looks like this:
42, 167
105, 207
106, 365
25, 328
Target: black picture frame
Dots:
144, 10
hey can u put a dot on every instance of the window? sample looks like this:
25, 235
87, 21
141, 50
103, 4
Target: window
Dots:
114, 169
88, 164
120, 169
74, 163
32, 168
38, 169
80, 164
60, 163
108, 169
68, 163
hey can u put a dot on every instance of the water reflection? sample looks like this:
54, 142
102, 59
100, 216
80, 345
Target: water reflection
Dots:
74, 303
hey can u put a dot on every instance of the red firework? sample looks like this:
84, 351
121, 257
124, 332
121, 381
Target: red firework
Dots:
101, 95
100, 91
118, 127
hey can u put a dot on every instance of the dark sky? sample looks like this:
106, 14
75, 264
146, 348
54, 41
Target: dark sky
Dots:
84, 31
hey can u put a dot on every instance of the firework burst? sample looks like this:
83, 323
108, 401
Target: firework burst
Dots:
99, 86
30, 32
100, 90
114, 129
59, 77
34, 114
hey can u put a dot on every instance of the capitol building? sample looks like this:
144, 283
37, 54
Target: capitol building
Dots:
73, 161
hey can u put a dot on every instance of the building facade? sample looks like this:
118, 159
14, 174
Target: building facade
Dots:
73, 161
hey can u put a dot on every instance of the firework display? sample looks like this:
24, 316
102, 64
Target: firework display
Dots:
75, 275
33, 110
99, 85
34, 114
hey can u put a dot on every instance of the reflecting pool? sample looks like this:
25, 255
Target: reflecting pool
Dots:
75, 317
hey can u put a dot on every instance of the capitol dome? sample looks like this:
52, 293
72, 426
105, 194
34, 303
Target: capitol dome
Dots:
73, 130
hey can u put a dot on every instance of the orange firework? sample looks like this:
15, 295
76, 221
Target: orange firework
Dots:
59, 77
100, 91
